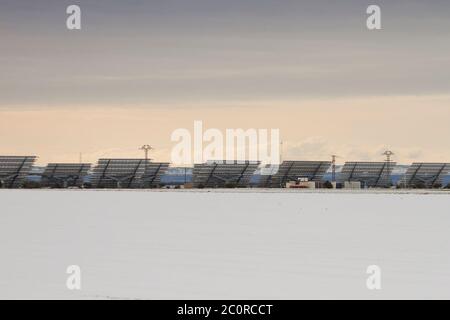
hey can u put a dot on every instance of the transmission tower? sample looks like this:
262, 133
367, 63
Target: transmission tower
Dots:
146, 149
388, 154
333, 167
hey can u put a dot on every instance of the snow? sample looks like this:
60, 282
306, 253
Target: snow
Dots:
225, 244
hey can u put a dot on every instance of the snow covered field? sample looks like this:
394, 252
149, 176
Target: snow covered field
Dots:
223, 244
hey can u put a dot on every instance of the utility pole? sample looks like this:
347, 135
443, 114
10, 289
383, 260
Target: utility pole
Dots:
333, 167
388, 154
146, 148
281, 151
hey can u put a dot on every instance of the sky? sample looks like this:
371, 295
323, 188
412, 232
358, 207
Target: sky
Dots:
138, 70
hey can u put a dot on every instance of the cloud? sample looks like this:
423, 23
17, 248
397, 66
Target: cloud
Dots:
319, 148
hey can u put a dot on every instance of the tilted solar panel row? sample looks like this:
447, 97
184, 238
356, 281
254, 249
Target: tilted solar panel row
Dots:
221, 174
63, 175
426, 175
127, 173
153, 173
370, 174
14, 170
295, 170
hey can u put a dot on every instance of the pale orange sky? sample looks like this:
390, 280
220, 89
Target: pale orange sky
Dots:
415, 128
137, 71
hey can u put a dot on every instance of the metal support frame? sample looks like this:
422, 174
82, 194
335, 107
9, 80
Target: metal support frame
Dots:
439, 174
211, 174
381, 174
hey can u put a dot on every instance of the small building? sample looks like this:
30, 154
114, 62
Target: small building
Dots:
352, 184
301, 184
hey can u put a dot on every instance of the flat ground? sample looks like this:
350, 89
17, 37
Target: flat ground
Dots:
223, 244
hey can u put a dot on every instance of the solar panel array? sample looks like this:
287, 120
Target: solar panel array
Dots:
141, 173
295, 170
14, 170
128, 173
370, 174
222, 174
426, 175
63, 175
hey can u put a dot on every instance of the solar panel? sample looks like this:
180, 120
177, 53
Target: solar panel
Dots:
426, 175
370, 174
222, 174
63, 175
128, 173
153, 173
14, 170
295, 170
